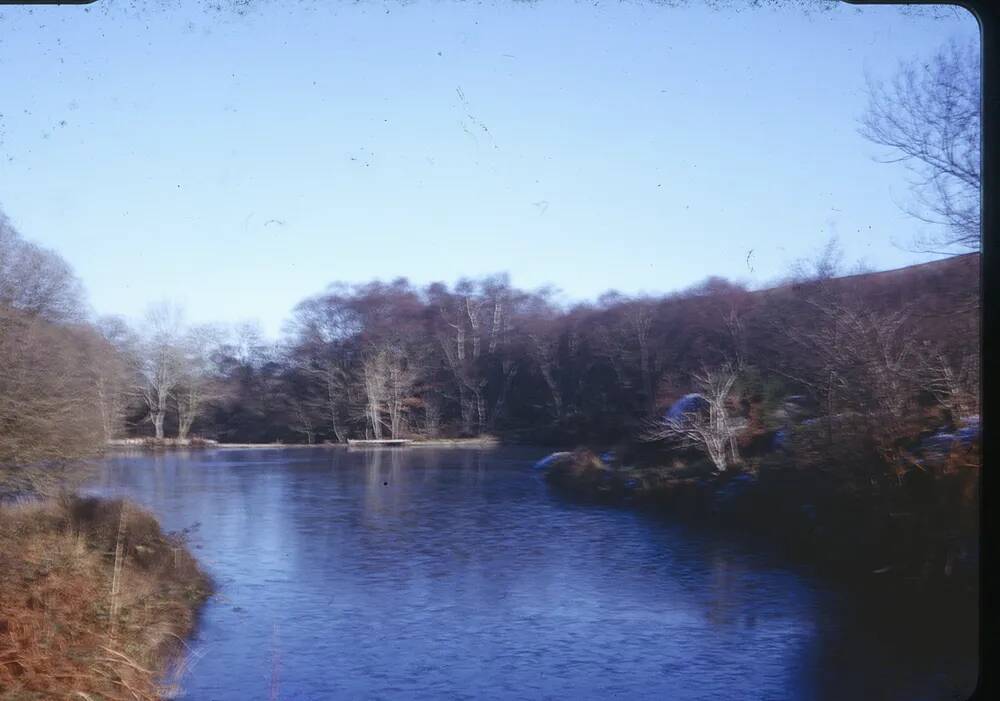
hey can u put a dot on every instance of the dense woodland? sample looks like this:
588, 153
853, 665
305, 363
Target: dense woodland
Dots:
897, 350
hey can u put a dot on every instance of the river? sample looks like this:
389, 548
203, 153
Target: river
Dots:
422, 573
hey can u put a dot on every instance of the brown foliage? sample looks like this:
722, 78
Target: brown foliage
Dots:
47, 396
68, 626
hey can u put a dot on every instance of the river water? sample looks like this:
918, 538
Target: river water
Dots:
456, 573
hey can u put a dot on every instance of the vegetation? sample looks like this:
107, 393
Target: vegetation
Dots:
824, 405
916, 534
54, 364
928, 117
389, 360
95, 601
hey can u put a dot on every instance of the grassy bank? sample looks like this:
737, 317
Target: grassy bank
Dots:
95, 601
919, 534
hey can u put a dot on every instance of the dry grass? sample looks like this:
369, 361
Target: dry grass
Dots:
95, 601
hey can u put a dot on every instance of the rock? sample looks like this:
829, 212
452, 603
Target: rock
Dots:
688, 404
549, 460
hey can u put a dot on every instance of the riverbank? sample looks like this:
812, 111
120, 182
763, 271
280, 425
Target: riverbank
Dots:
920, 535
95, 601
204, 443
150, 443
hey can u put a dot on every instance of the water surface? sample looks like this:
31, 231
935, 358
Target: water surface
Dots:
457, 574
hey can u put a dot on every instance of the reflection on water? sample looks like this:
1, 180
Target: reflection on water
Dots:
455, 574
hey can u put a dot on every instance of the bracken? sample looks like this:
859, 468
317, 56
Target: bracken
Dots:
95, 601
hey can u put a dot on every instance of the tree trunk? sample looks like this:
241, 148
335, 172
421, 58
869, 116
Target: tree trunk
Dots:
480, 414
465, 406
553, 390
338, 433
332, 403
157, 417
184, 422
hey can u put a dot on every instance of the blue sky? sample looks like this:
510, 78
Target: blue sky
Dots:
238, 163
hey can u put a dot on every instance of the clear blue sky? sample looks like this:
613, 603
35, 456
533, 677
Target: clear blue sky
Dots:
238, 163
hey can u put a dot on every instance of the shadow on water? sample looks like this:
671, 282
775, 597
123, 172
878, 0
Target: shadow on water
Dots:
457, 573
874, 639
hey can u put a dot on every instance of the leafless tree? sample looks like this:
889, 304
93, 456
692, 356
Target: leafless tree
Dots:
611, 346
46, 402
389, 378
826, 264
374, 374
461, 347
712, 431
432, 413
160, 361
953, 384
639, 317
626, 341
737, 336
302, 421
929, 118
36, 281
247, 344
866, 363
112, 372
47, 394
401, 379
334, 398
195, 383
543, 330
545, 352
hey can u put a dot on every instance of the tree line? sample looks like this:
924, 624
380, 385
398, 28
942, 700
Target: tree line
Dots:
481, 356
389, 360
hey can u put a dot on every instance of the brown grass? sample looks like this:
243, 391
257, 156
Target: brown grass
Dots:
95, 600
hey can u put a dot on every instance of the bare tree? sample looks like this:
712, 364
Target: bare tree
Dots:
401, 378
334, 381
159, 361
36, 281
431, 402
611, 346
639, 317
929, 118
544, 349
543, 329
863, 363
46, 393
625, 340
247, 344
953, 384
388, 379
374, 379
827, 263
714, 430
733, 321
112, 373
196, 383
459, 312
302, 421
46, 402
